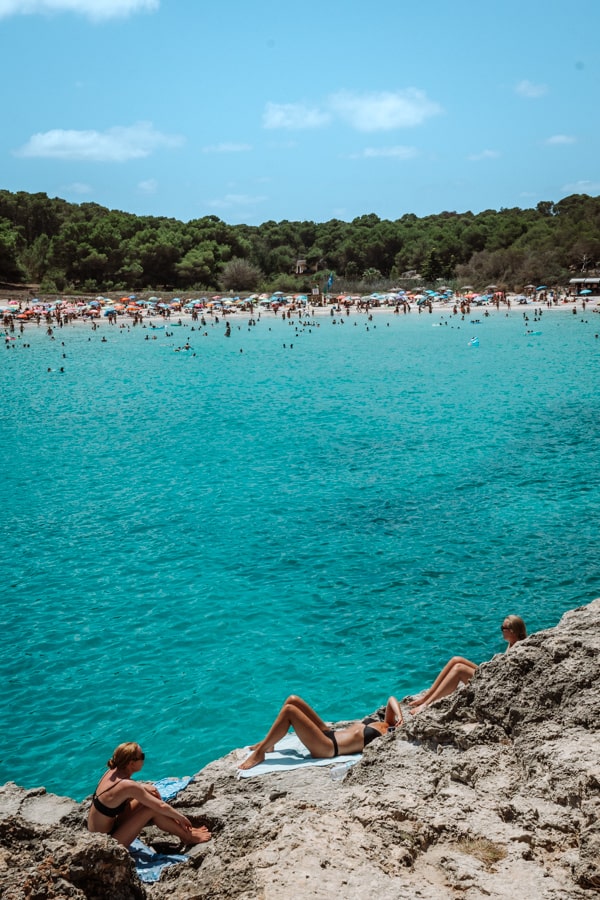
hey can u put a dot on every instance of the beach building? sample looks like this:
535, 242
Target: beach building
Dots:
586, 286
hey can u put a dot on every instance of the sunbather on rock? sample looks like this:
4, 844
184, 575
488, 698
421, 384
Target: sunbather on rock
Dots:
460, 670
322, 741
127, 806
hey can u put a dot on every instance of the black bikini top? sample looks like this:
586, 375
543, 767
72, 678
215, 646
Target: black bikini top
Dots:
111, 811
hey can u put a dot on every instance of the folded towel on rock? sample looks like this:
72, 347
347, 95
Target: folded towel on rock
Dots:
290, 753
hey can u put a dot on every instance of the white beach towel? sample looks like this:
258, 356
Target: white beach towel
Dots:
290, 753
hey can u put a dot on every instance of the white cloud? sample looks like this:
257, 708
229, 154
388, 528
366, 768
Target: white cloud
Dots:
232, 200
485, 154
531, 91
385, 110
582, 187
398, 152
227, 148
382, 111
96, 10
561, 139
78, 187
294, 116
118, 144
149, 186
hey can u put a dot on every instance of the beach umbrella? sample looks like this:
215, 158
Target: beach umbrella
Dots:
586, 291
541, 287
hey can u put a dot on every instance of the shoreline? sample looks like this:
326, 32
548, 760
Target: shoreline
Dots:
19, 320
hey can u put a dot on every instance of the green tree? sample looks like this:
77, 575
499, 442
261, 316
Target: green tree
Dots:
35, 259
240, 275
9, 241
200, 265
371, 276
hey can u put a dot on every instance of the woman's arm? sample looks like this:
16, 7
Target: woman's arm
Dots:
393, 713
142, 793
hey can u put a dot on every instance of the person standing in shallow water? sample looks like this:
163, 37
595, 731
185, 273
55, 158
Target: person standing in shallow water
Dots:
460, 670
121, 807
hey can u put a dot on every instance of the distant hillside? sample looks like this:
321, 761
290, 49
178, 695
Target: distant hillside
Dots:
64, 246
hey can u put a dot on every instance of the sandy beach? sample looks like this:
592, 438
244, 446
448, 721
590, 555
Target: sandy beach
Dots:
96, 312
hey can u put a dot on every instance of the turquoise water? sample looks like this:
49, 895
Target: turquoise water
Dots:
187, 539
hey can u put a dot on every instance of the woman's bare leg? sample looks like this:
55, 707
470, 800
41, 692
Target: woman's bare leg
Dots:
302, 706
309, 727
426, 697
308, 711
137, 816
186, 835
454, 676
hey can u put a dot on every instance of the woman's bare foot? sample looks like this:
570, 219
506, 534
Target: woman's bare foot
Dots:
257, 756
198, 835
419, 708
418, 701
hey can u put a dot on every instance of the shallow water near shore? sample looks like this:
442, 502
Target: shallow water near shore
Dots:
186, 539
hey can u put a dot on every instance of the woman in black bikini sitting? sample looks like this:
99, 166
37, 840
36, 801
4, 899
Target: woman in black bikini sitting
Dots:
323, 742
121, 807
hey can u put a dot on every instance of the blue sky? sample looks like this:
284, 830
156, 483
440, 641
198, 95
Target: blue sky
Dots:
319, 110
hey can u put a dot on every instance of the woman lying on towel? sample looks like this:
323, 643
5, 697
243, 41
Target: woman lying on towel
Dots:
127, 806
322, 741
459, 669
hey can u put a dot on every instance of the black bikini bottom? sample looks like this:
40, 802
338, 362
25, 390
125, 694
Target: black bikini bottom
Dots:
331, 735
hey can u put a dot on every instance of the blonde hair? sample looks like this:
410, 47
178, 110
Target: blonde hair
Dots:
516, 625
123, 755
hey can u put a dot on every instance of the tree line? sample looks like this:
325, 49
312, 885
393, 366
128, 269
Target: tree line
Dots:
60, 246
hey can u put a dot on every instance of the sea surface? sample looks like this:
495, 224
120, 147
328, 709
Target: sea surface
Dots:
330, 509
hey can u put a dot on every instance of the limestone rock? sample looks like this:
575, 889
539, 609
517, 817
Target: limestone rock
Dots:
492, 792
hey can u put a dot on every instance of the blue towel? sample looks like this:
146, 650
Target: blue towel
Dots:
149, 864
170, 787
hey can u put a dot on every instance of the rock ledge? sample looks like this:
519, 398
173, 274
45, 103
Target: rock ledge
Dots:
491, 793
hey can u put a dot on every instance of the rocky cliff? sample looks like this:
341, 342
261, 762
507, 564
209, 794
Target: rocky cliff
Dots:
490, 793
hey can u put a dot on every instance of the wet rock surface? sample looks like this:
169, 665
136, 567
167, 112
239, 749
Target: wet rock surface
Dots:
493, 792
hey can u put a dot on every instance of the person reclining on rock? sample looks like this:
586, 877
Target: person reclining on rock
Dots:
127, 806
460, 670
322, 741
